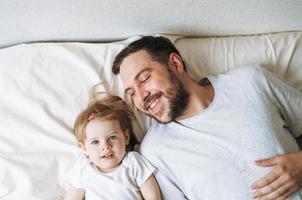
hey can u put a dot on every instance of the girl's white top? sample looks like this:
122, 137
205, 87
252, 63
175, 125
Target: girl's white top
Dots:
123, 183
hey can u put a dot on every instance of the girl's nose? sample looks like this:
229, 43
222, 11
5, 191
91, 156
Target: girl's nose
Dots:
106, 146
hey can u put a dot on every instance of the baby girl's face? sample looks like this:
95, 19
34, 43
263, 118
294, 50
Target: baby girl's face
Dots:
105, 144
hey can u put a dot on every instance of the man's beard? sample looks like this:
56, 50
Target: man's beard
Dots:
177, 98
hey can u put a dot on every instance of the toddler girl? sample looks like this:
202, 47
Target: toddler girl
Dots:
109, 168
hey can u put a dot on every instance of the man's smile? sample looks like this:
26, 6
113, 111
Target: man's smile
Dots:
152, 102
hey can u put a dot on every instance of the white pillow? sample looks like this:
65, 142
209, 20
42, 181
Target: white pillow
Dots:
279, 53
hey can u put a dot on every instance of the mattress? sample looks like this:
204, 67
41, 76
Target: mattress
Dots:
45, 85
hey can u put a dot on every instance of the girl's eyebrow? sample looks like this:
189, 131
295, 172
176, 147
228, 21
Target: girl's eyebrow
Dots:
105, 134
94, 138
113, 133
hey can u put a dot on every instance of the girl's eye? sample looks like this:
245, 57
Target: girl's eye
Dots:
95, 142
112, 137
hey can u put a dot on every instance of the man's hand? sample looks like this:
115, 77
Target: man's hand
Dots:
283, 180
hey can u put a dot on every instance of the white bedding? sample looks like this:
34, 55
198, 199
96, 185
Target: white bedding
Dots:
43, 87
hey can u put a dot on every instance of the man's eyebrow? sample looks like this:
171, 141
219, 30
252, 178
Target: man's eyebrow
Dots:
137, 76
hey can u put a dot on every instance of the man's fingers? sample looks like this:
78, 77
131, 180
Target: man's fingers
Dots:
287, 193
278, 189
269, 162
287, 174
281, 193
273, 191
266, 180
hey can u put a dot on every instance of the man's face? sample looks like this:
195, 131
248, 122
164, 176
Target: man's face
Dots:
153, 87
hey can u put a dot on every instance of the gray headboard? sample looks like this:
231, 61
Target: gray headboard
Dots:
104, 20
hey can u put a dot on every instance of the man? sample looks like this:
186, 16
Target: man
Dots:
209, 134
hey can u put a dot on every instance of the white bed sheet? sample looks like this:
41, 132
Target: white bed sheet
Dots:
44, 86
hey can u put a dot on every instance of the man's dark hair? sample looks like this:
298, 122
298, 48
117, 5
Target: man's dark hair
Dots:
159, 48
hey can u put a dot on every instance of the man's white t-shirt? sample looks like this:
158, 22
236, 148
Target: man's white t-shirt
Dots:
123, 183
254, 115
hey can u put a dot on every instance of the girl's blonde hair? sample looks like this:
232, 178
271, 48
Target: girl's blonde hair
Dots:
105, 107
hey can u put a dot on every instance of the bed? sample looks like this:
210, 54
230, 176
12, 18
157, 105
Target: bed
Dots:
53, 52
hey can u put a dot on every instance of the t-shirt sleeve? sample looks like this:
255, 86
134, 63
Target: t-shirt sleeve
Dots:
164, 178
142, 168
168, 188
288, 100
73, 177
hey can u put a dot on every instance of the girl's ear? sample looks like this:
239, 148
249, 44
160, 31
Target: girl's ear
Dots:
127, 136
82, 148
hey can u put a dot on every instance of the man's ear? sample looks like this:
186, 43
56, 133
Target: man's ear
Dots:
127, 136
175, 63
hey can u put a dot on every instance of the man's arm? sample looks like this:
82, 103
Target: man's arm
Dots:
286, 175
283, 180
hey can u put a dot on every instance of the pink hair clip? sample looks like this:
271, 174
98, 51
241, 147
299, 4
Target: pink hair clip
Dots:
91, 116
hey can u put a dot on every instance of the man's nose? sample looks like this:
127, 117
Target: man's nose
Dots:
142, 93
